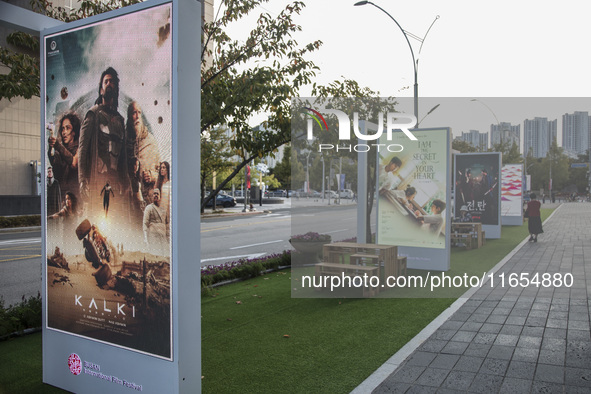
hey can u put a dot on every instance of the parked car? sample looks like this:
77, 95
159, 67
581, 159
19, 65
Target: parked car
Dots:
222, 200
346, 193
330, 194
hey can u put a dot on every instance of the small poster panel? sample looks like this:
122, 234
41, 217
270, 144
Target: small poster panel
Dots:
512, 194
477, 189
412, 186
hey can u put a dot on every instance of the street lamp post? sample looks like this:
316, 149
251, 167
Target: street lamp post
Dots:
308, 174
428, 113
322, 160
415, 62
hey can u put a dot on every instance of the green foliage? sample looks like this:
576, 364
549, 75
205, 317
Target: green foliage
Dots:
282, 170
87, 8
22, 79
271, 182
510, 152
578, 177
20, 221
242, 269
16, 318
260, 73
555, 162
215, 156
463, 146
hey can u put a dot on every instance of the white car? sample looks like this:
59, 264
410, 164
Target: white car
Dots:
330, 194
346, 193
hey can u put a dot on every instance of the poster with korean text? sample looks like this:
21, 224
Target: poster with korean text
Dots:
477, 187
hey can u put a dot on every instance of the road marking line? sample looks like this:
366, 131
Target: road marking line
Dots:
245, 224
21, 241
248, 256
22, 258
262, 243
336, 231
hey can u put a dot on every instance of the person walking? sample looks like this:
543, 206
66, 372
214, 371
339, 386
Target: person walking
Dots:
534, 224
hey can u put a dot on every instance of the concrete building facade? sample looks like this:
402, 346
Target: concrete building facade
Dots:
575, 132
539, 134
505, 132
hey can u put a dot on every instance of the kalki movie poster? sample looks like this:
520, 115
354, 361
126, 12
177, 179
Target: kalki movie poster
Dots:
477, 187
108, 123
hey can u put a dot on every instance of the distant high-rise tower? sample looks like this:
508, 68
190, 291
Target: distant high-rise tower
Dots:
538, 134
476, 139
575, 132
506, 133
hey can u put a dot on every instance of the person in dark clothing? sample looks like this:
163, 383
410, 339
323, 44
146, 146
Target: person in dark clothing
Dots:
108, 190
54, 193
534, 224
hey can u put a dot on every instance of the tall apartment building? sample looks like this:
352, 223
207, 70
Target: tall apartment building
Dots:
505, 132
575, 132
477, 139
539, 134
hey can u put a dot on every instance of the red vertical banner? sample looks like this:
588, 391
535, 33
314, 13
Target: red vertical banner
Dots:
247, 176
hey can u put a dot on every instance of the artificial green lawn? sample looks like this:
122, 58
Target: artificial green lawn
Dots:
332, 345
20, 366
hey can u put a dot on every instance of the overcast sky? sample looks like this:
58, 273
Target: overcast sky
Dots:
477, 49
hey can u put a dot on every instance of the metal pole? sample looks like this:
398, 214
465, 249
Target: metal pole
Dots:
341, 187
322, 160
308, 175
362, 164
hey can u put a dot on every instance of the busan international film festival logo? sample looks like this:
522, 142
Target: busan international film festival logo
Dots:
75, 364
394, 121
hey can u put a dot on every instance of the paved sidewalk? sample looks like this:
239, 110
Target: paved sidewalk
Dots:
515, 340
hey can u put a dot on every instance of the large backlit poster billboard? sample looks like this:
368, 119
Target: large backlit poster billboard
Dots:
108, 124
412, 185
478, 189
512, 194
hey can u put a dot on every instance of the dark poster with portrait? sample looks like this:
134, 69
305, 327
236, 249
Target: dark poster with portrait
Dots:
109, 135
477, 186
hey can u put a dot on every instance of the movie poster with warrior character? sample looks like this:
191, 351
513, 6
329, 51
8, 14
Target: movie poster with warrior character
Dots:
109, 176
477, 186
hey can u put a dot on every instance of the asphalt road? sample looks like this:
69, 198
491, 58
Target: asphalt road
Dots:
20, 265
251, 236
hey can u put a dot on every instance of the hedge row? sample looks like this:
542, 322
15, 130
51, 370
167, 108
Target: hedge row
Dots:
19, 317
243, 268
20, 221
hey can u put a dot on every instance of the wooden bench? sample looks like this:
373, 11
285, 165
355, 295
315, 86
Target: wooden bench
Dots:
331, 269
462, 238
364, 258
470, 234
401, 266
